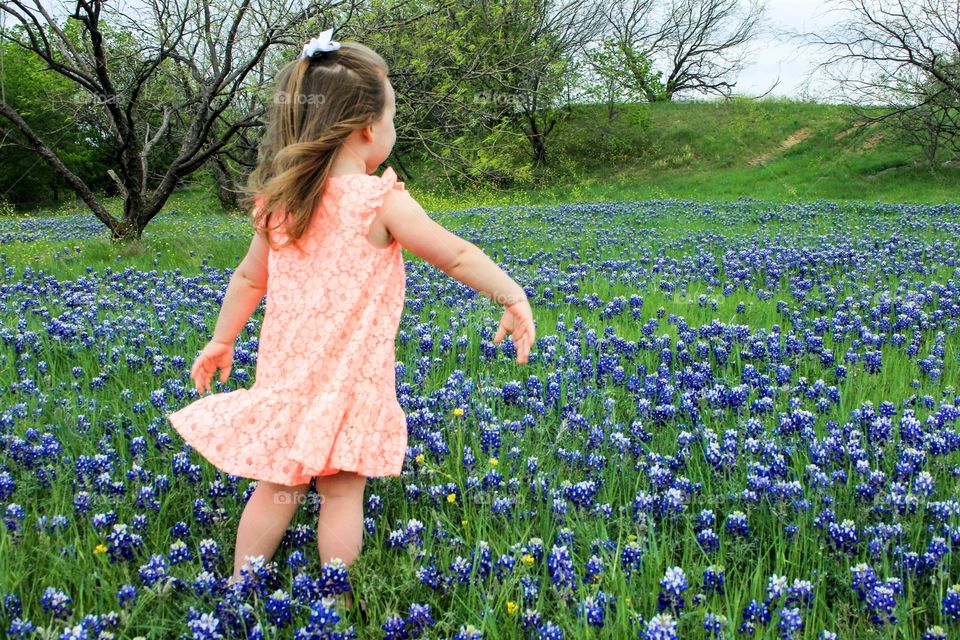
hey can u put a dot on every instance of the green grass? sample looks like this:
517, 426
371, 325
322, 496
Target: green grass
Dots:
688, 150
387, 576
702, 151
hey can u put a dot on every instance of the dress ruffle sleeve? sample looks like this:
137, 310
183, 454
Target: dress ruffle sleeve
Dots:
375, 196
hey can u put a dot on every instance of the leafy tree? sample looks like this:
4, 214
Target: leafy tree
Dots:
54, 107
607, 81
126, 60
903, 57
928, 115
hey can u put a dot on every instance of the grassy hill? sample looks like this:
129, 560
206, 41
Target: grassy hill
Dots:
771, 149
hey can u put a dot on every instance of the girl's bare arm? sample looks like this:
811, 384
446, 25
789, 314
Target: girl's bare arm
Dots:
410, 225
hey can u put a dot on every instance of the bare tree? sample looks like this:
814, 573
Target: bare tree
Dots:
926, 114
551, 35
701, 45
205, 50
897, 62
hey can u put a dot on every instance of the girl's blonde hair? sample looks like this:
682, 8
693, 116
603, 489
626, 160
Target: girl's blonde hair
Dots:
317, 103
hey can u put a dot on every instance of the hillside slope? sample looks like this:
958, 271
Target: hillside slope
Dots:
767, 149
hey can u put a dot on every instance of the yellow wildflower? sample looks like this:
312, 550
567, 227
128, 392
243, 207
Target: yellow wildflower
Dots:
451, 498
458, 412
493, 462
100, 548
527, 559
512, 607
420, 457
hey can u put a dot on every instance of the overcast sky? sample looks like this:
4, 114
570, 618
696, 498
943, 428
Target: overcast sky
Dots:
774, 56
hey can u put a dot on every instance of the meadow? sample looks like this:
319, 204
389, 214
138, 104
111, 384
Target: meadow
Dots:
739, 420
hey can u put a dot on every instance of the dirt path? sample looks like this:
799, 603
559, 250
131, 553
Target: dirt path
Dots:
792, 140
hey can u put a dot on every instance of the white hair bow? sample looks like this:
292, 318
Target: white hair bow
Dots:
320, 44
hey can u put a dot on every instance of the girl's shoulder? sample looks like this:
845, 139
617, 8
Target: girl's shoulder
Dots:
361, 191
363, 181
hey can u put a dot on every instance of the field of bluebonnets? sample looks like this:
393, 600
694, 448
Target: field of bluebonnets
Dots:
738, 421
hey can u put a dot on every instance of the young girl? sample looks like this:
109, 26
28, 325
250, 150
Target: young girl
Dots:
329, 233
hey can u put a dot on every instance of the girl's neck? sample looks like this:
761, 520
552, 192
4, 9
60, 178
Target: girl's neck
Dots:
347, 163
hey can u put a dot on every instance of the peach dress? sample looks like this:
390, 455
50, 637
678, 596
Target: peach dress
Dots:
324, 396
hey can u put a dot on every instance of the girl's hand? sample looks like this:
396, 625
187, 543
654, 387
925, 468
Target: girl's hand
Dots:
216, 355
518, 320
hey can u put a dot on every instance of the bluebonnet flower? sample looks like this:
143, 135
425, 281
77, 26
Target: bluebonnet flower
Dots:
126, 595
460, 570
56, 603
753, 614
179, 553
278, 608
713, 578
468, 632
864, 579
776, 587
714, 624
631, 558
393, 628
594, 608
562, 572
844, 536
705, 520
529, 589
209, 553
736, 524
333, 578
660, 627
881, 601
708, 540
122, 544
790, 623
950, 605
672, 586
593, 568
418, 620
20, 629
800, 593
203, 626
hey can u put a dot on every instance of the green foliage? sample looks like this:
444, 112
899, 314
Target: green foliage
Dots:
621, 76
926, 112
6, 208
498, 158
61, 114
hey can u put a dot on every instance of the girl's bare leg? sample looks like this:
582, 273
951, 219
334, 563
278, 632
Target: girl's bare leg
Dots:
265, 519
340, 525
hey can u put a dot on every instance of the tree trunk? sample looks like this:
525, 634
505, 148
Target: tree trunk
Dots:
403, 170
127, 230
932, 149
229, 198
537, 140
539, 149
53, 161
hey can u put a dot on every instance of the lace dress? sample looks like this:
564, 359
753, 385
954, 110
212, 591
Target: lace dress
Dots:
324, 396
